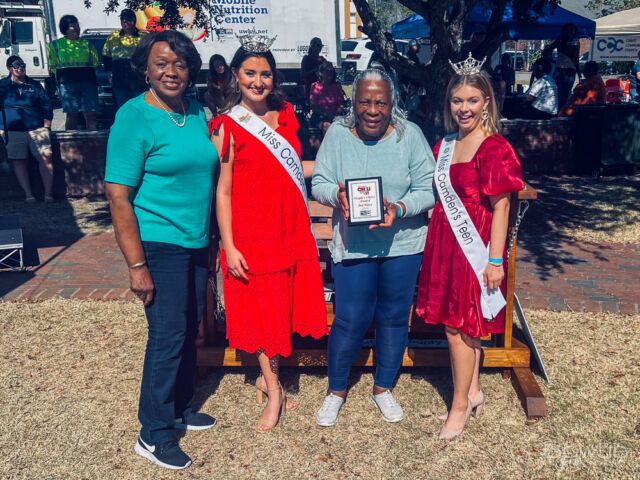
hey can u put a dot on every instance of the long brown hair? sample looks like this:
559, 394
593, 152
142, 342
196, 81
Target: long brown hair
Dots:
481, 82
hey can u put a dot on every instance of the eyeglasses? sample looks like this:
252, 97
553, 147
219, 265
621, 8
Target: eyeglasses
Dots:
18, 65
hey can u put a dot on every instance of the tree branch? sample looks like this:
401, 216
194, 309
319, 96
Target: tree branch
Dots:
385, 45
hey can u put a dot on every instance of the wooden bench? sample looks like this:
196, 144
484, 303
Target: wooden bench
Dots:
427, 344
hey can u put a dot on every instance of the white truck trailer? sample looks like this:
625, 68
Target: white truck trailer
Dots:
294, 22
23, 32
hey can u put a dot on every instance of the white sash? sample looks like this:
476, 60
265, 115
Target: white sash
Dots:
277, 145
464, 230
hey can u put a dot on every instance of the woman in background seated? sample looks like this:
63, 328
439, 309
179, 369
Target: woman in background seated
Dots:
326, 97
590, 92
375, 267
26, 124
542, 97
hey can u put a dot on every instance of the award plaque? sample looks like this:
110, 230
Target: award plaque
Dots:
365, 201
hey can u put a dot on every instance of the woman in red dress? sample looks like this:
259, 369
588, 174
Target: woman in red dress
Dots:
271, 273
484, 171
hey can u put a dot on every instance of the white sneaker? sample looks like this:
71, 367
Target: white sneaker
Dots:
327, 416
390, 409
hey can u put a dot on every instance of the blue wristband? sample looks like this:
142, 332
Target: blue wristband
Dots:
496, 261
400, 213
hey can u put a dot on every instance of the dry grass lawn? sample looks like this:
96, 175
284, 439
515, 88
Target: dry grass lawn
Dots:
70, 377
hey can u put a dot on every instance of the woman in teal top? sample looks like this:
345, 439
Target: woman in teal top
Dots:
159, 181
375, 268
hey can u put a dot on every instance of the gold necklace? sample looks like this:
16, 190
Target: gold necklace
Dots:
169, 112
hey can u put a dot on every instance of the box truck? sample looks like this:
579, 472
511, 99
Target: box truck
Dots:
293, 22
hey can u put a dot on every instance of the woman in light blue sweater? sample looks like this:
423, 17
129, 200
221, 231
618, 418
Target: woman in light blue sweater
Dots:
375, 267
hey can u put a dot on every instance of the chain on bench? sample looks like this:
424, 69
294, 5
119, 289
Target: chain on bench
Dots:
523, 206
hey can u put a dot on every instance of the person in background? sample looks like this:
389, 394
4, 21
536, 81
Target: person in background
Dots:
478, 176
326, 97
26, 125
310, 64
567, 62
219, 76
414, 50
634, 87
73, 62
541, 102
413, 104
590, 92
159, 182
374, 268
116, 56
504, 79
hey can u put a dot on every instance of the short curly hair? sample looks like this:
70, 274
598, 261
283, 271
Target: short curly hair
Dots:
181, 45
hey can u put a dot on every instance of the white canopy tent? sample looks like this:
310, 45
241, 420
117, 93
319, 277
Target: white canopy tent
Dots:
626, 22
617, 36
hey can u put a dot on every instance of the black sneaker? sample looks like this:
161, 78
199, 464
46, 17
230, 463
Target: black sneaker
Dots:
195, 421
167, 455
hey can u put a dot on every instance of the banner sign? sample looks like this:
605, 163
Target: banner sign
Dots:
616, 49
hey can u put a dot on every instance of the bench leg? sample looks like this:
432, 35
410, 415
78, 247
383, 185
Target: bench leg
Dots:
529, 392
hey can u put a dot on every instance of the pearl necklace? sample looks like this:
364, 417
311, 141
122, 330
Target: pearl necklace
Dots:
169, 112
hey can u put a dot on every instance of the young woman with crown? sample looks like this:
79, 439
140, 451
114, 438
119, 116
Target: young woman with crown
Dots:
461, 278
271, 273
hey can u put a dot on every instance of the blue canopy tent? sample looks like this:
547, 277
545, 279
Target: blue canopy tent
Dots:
547, 26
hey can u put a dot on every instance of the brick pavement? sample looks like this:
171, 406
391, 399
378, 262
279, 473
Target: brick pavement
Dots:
577, 276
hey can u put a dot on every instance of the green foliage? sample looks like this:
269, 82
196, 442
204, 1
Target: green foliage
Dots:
207, 15
607, 7
388, 12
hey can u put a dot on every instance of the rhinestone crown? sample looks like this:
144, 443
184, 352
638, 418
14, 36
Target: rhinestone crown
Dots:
255, 42
470, 66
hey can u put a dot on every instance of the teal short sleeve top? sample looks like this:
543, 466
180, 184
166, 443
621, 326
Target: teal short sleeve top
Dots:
170, 170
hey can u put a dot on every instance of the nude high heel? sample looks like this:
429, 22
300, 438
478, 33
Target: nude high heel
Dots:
261, 394
476, 410
446, 434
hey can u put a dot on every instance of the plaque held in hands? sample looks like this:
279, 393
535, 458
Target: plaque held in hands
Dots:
365, 199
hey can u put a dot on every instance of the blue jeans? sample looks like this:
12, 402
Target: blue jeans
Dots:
169, 372
78, 97
368, 289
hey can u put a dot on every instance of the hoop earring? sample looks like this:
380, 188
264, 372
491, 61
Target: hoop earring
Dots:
485, 114
146, 80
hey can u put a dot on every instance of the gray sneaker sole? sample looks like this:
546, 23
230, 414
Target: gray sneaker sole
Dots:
149, 456
386, 419
326, 424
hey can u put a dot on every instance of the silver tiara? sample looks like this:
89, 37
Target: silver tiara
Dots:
255, 42
470, 66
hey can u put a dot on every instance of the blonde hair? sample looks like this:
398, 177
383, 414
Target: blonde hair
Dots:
481, 82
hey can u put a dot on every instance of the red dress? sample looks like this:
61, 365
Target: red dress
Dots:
449, 291
272, 230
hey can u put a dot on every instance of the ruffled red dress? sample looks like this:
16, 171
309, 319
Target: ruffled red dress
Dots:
271, 228
449, 291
